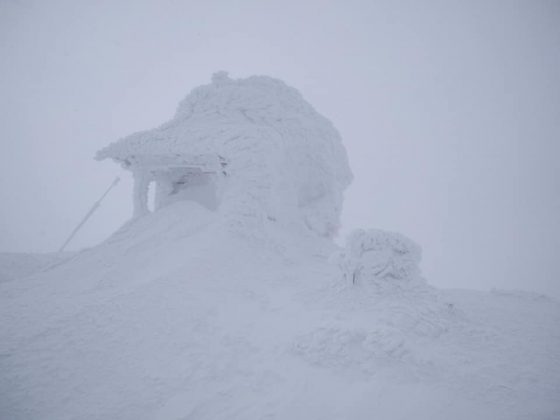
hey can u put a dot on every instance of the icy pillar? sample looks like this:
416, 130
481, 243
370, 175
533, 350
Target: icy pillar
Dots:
141, 183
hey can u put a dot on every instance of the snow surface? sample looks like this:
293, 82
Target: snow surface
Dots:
15, 265
177, 317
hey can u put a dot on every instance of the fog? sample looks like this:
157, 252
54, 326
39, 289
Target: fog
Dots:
449, 111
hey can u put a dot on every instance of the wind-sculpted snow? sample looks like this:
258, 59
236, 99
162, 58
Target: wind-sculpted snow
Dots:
285, 162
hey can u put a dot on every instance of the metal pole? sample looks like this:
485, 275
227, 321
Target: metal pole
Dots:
89, 213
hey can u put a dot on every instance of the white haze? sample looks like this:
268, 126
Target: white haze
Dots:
449, 111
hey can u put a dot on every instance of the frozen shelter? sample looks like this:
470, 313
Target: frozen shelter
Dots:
250, 148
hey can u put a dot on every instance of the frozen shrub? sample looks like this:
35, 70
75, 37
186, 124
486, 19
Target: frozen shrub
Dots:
379, 257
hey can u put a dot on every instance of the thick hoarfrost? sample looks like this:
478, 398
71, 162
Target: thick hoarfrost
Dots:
286, 162
380, 258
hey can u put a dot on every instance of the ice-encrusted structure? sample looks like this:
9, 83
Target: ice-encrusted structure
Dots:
385, 259
252, 148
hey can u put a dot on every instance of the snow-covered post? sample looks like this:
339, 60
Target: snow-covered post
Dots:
164, 188
140, 199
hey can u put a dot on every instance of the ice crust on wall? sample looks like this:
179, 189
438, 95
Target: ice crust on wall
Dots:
286, 162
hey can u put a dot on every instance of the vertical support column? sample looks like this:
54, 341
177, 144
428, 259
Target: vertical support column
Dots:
140, 198
164, 188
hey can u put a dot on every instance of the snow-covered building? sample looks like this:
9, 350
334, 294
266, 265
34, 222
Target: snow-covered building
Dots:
251, 148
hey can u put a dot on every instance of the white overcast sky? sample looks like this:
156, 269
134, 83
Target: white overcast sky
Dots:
450, 112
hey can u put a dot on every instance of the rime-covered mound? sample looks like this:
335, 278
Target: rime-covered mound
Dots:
285, 162
386, 260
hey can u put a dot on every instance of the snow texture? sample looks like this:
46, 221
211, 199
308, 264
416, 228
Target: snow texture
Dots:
286, 163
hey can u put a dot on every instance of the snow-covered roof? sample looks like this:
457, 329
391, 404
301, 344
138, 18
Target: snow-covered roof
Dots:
218, 112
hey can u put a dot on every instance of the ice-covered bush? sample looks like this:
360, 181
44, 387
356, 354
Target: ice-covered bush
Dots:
379, 257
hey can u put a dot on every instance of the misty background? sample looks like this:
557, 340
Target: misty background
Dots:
449, 111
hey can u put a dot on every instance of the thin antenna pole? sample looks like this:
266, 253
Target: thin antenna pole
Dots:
89, 213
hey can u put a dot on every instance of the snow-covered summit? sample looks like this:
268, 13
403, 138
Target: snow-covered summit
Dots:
281, 160
177, 316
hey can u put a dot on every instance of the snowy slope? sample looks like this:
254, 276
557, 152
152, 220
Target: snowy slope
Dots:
176, 317
15, 265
